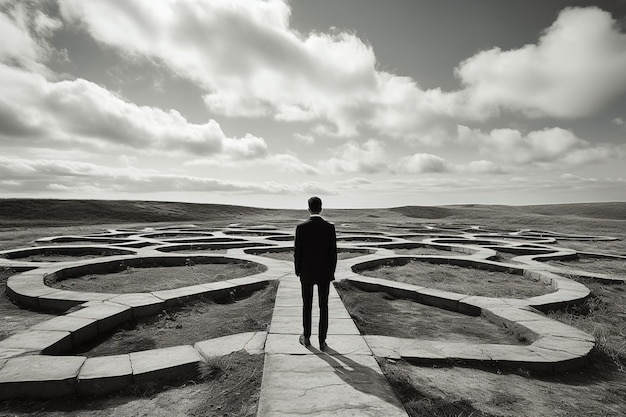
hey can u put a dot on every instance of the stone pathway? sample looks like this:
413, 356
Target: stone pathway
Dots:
345, 380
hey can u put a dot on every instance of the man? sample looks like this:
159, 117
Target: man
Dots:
315, 260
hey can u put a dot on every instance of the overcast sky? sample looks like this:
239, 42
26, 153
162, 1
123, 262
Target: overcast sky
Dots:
365, 103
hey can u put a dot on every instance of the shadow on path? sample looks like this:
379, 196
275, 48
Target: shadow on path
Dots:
361, 377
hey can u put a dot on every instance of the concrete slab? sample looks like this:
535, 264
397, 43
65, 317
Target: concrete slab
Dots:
39, 341
557, 299
289, 344
6, 353
177, 295
250, 283
442, 299
62, 300
325, 385
578, 347
558, 361
293, 325
105, 374
164, 364
26, 293
107, 315
548, 327
256, 345
226, 345
142, 304
39, 376
82, 329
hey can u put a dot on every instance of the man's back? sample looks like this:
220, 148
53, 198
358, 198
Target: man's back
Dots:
315, 250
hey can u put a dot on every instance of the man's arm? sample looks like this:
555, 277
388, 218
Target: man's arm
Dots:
297, 252
333, 249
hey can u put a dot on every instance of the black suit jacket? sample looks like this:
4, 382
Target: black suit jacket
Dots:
315, 251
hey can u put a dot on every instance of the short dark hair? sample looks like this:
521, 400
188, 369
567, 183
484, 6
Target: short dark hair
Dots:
315, 204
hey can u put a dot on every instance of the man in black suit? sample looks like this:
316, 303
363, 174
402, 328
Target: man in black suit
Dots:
315, 260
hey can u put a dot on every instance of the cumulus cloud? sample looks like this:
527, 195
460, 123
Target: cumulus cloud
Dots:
275, 71
352, 157
576, 67
420, 163
291, 163
36, 111
371, 157
537, 147
329, 78
482, 167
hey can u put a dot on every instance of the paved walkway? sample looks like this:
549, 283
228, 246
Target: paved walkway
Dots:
345, 380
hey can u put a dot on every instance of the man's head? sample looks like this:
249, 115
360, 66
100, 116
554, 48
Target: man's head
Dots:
315, 205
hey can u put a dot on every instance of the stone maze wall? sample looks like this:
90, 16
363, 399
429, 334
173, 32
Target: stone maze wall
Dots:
34, 362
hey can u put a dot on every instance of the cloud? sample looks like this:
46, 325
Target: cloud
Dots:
279, 162
351, 157
420, 163
331, 79
304, 138
275, 70
618, 121
354, 182
551, 145
482, 167
36, 112
34, 176
23, 30
291, 163
576, 67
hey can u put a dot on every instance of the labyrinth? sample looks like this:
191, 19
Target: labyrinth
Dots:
215, 263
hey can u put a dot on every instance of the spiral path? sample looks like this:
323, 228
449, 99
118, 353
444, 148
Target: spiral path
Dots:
345, 379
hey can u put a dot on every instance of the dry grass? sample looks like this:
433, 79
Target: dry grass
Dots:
613, 267
379, 313
190, 323
419, 403
156, 278
14, 318
611, 247
604, 316
461, 280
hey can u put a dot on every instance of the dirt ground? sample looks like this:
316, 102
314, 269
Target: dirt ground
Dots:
378, 313
156, 278
191, 322
461, 280
230, 386
614, 267
454, 391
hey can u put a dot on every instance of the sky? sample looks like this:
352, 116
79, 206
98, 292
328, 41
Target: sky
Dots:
265, 103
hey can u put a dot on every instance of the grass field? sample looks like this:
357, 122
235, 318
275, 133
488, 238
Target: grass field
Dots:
229, 386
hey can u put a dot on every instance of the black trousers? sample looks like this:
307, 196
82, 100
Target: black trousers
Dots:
307, 306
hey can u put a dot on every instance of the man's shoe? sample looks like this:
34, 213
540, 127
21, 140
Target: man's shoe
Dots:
305, 341
323, 346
